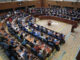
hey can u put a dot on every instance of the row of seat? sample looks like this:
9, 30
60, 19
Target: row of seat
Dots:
32, 31
10, 51
24, 41
69, 14
48, 32
52, 44
61, 36
10, 45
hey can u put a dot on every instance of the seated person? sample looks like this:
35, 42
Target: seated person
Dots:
43, 36
54, 34
38, 42
37, 47
2, 28
22, 35
20, 51
49, 32
62, 36
10, 19
8, 24
12, 41
34, 41
40, 52
5, 33
15, 44
48, 50
32, 30
56, 41
43, 29
37, 33
29, 23
48, 38
29, 29
30, 56
35, 25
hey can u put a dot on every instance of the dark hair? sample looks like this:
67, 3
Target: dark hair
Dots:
41, 34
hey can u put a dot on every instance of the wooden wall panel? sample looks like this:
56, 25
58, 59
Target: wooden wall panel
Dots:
7, 5
37, 3
63, 4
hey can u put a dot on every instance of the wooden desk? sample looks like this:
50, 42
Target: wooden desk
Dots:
48, 50
29, 39
78, 56
5, 36
49, 23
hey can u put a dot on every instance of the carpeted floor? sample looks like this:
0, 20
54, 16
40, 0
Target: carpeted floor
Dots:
3, 55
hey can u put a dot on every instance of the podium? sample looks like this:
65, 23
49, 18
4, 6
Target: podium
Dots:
49, 23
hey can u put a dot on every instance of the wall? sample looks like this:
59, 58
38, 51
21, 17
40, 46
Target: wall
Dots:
63, 3
38, 3
7, 5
